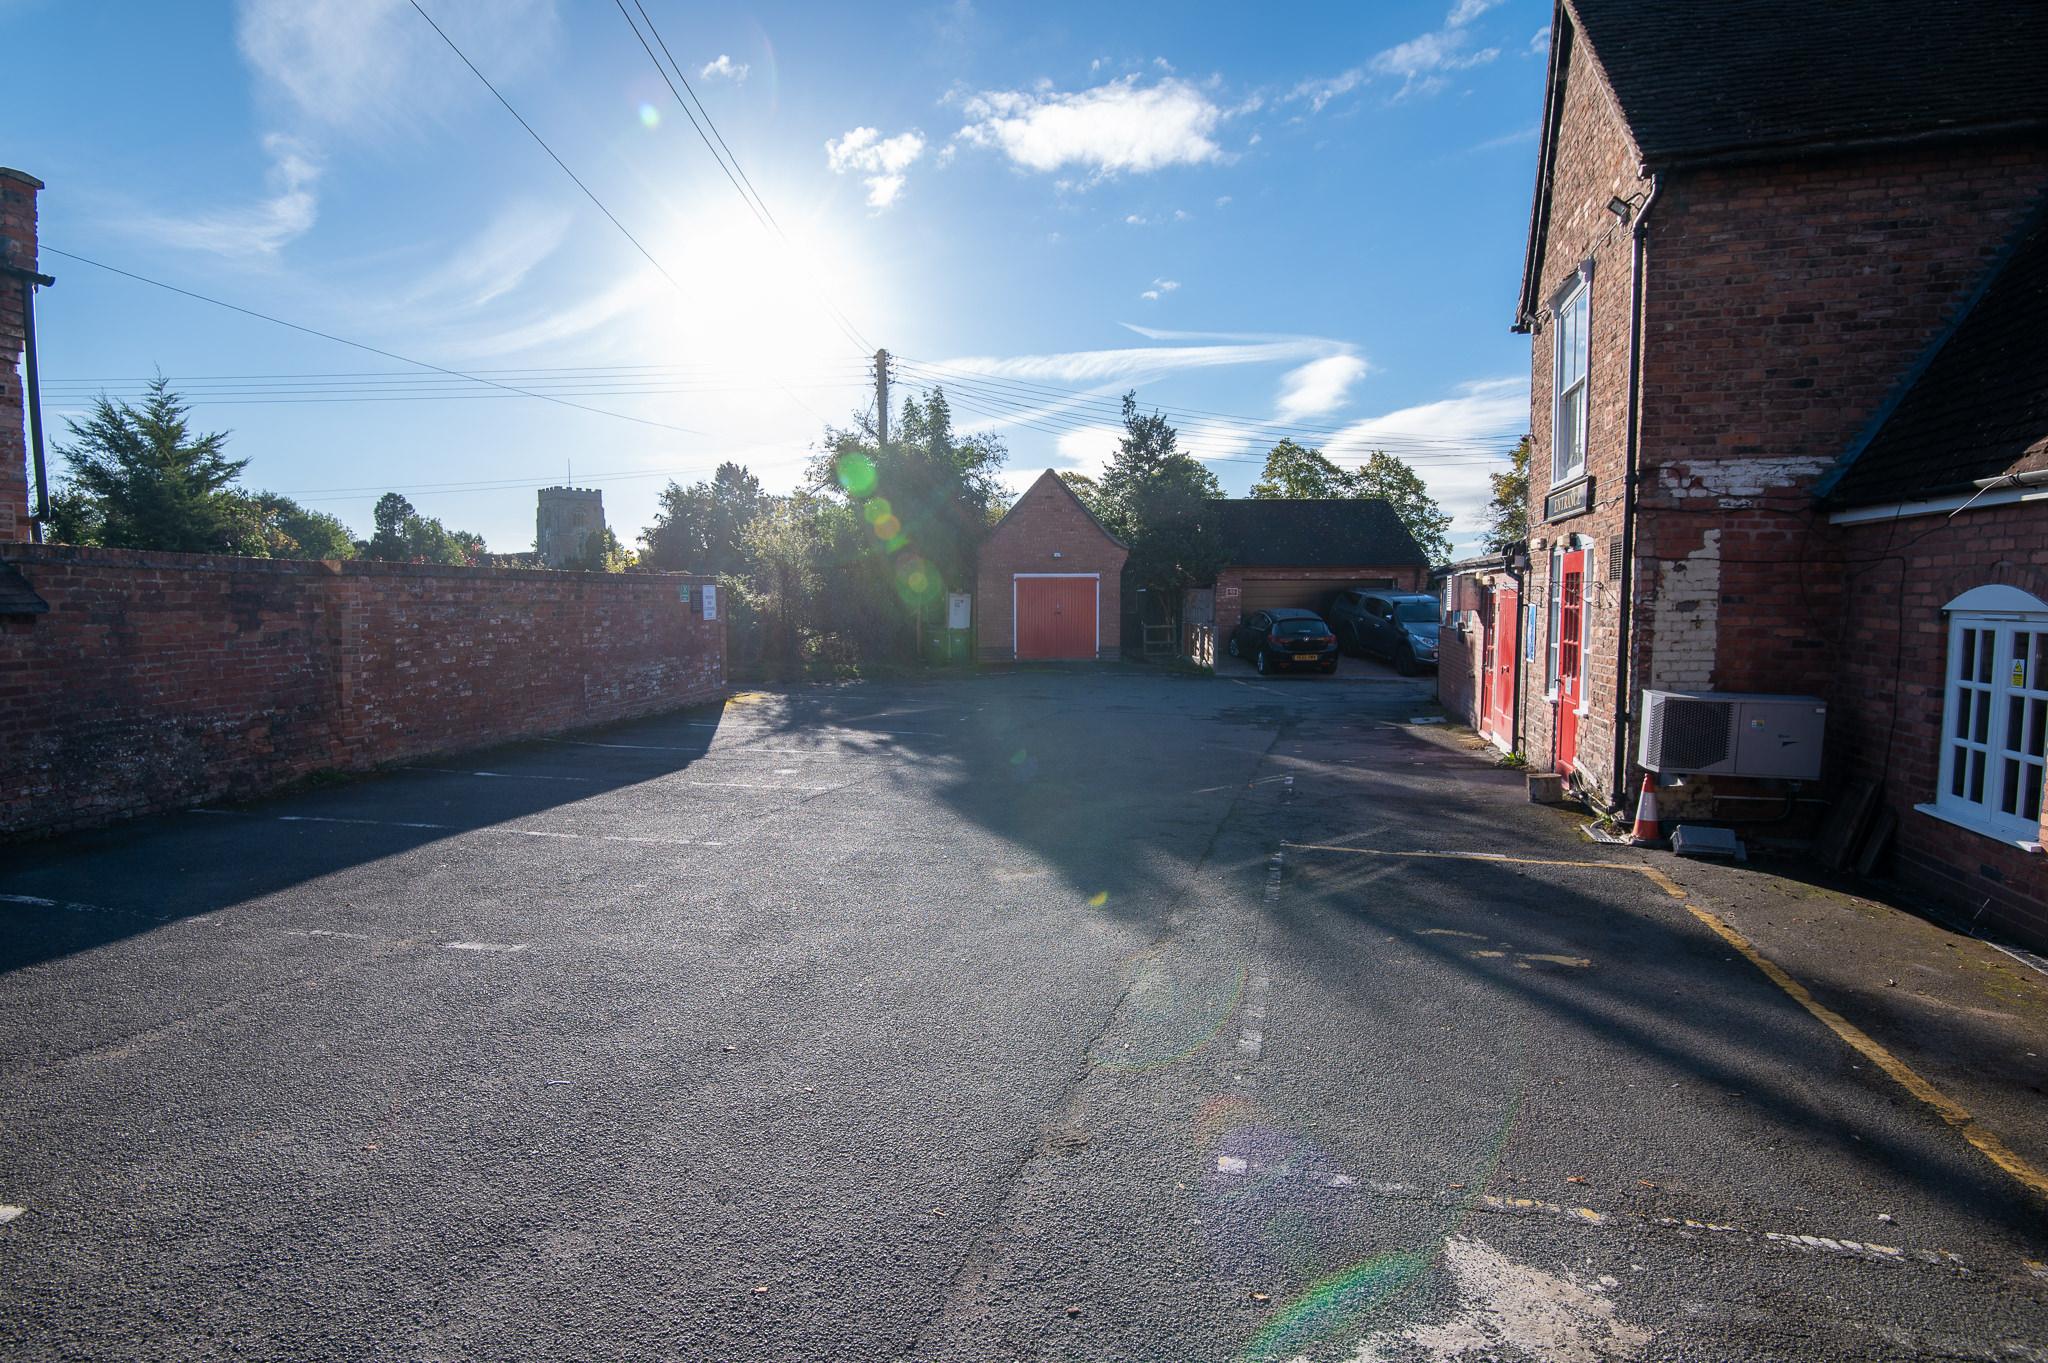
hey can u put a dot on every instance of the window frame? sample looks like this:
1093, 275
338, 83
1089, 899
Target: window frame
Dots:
2000, 620
1577, 296
1554, 597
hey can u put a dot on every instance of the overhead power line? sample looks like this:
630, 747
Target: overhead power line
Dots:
946, 376
673, 283
735, 173
370, 349
1038, 416
542, 143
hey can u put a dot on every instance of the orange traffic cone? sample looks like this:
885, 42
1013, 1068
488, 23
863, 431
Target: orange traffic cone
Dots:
1646, 815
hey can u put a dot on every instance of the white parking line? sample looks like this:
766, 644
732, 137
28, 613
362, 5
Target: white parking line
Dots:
454, 828
72, 906
486, 946
505, 775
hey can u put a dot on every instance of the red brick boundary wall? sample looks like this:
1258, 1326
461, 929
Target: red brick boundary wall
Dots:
160, 680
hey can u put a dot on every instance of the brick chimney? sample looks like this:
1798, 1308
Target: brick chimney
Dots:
17, 257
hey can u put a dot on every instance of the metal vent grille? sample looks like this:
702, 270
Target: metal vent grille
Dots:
1614, 559
1691, 735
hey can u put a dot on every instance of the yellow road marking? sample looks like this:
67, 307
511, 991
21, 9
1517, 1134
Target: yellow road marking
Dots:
1948, 1109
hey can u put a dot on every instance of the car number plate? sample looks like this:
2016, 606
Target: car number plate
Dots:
1304, 657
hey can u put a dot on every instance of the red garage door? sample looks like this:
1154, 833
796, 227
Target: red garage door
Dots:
1056, 617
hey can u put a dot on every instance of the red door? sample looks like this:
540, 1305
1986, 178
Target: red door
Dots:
1501, 646
1056, 617
1571, 655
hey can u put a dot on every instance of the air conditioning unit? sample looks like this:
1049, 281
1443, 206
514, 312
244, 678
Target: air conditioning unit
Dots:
1722, 733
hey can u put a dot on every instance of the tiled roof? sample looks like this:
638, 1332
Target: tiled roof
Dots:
1979, 407
1315, 533
17, 597
1698, 78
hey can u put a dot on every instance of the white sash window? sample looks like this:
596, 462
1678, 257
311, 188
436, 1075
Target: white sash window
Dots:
1994, 729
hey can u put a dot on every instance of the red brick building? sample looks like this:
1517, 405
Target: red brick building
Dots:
1300, 552
1048, 581
1755, 227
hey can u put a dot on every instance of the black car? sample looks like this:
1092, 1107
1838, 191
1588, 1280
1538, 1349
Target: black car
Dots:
1276, 640
1400, 627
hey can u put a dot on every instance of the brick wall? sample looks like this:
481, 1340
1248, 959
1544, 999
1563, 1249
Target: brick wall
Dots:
161, 680
17, 251
1782, 305
1595, 161
1047, 531
1230, 584
1886, 696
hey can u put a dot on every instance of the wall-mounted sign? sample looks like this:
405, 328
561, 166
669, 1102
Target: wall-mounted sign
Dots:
683, 593
959, 610
710, 602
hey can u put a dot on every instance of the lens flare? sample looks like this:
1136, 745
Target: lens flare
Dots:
650, 117
1341, 1301
856, 473
887, 526
874, 509
917, 581
1098, 899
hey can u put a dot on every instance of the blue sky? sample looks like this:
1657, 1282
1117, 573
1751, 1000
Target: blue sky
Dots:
1271, 219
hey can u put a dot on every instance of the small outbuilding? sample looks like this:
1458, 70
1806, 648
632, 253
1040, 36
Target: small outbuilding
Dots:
1048, 581
1300, 552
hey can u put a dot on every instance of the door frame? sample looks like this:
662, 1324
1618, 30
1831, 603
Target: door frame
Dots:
1502, 629
1015, 577
1577, 693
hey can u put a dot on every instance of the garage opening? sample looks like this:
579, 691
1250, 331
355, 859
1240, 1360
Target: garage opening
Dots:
1058, 617
1314, 594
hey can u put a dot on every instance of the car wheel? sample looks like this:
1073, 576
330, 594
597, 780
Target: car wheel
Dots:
1233, 647
1259, 661
1404, 662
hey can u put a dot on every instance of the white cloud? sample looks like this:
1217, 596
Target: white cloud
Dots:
1180, 215
1135, 220
1420, 63
725, 68
1120, 365
1112, 129
375, 65
1467, 437
1318, 387
1539, 42
1160, 288
495, 261
1515, 138
1223, 201
880, 160
259, 229
1465, 11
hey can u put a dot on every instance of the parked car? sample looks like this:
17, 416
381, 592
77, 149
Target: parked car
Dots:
1400, 627
1278, 640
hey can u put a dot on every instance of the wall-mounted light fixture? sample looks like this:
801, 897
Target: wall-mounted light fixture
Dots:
1622, 209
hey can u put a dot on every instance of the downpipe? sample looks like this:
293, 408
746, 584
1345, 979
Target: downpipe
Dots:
1639, 251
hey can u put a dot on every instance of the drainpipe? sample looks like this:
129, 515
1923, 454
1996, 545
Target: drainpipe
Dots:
29, 279
1639, 251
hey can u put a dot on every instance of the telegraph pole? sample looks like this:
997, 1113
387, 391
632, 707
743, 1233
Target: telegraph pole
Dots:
881, 398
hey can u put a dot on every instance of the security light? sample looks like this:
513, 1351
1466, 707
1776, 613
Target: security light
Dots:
1622, 209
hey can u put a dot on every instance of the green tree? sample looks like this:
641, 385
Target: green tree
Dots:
293, 531
1155, 498
786, 546
1292, 471
1087, 489
405, 536
602, 553
1385, 477
141, 479
702, 528
1510, 505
